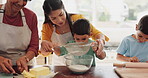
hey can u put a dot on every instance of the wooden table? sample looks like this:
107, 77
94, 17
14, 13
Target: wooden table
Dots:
94, 72
132, 72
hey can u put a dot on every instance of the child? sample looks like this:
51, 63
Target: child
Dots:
134, 48
81, 33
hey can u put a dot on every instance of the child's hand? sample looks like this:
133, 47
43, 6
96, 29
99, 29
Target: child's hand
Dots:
133, 59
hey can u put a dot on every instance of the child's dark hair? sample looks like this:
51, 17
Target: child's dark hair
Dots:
143, 24
81, 27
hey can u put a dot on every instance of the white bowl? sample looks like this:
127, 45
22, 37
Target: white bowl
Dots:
78, 64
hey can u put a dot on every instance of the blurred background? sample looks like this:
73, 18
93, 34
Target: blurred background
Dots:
115, 18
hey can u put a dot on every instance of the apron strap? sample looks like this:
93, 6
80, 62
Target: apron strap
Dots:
23, 17
2, 12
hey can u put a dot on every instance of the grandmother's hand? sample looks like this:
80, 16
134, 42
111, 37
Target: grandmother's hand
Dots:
6, 65
22, 63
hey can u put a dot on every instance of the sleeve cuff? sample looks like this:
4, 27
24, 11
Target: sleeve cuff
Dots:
63, 51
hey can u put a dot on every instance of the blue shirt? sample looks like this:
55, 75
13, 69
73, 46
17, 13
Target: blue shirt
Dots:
130, 47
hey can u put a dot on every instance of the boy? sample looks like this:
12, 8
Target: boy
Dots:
81, 33
134, 48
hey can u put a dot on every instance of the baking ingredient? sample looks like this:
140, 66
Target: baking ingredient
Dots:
27, 74
36, 72
78, 68
40, 71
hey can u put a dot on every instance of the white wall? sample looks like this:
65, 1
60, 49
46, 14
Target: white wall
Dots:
0, 1
116, 35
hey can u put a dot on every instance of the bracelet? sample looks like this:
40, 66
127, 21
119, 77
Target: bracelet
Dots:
27, 59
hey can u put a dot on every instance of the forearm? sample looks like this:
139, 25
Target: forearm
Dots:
122, 58
30, 55
34, 41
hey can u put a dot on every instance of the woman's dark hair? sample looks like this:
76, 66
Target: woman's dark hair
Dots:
81, 27
143, 24
51, 5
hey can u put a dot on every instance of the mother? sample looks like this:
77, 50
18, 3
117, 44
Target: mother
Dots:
57, 28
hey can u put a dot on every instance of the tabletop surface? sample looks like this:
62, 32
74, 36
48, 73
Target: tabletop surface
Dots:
94, 72
132, 72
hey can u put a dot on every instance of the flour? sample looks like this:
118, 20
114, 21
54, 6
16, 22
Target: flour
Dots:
78, 68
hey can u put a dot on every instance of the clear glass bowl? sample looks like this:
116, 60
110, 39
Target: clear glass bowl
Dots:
78, 64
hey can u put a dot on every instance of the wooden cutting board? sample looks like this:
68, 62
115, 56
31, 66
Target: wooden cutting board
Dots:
132, 72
